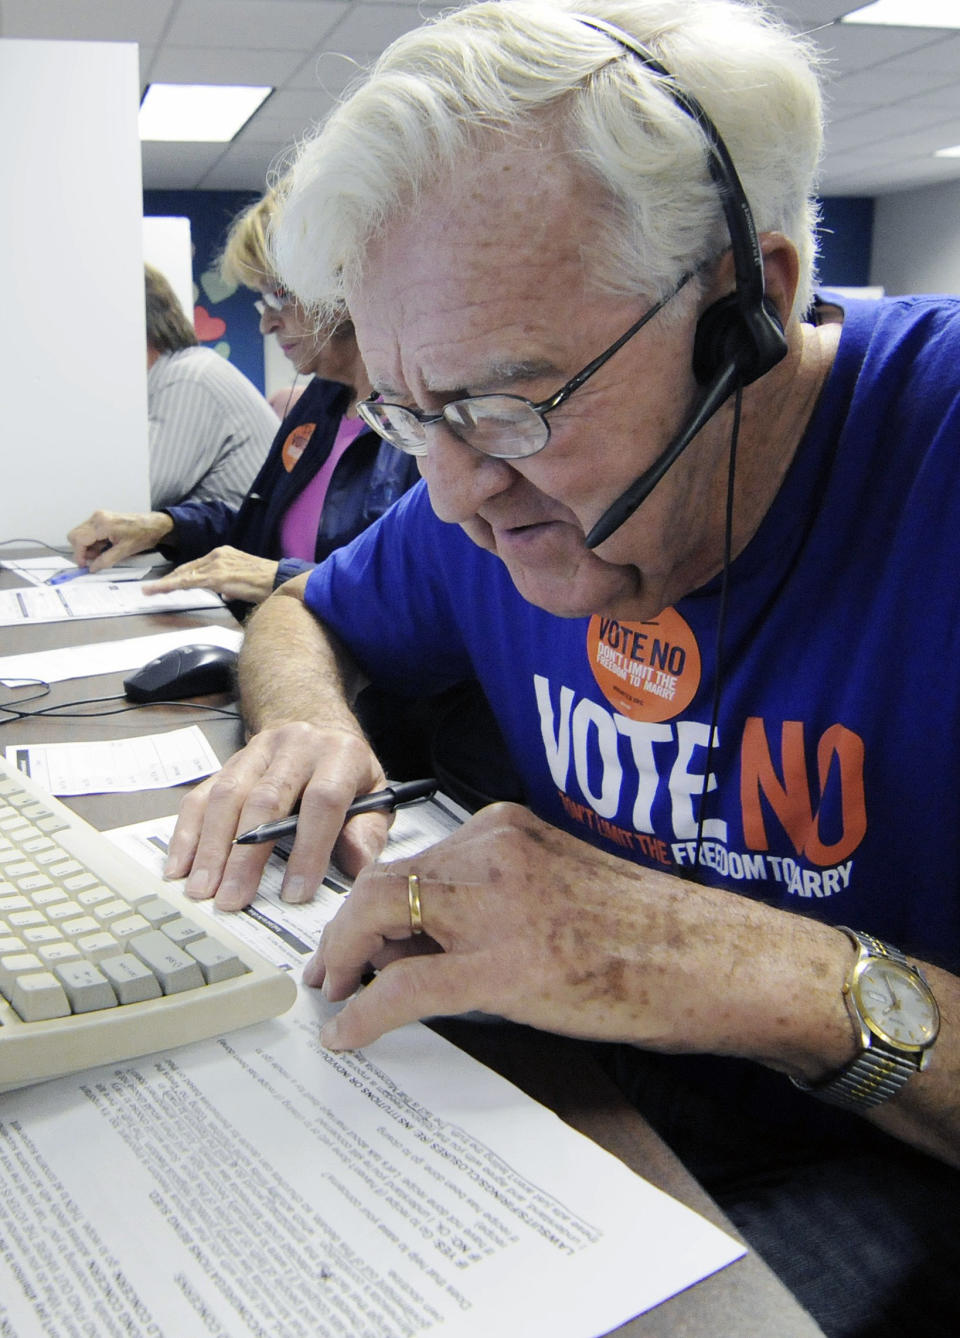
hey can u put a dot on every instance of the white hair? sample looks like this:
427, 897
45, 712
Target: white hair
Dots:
530, 69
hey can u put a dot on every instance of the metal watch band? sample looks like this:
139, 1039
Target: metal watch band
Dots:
873, 1077
879, 1071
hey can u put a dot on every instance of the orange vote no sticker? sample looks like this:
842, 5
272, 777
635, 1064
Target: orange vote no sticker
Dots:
647, 671
296, 444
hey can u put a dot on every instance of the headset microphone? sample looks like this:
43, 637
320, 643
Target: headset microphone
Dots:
740, 337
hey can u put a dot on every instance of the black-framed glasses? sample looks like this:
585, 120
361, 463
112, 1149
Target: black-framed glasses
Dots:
508, 427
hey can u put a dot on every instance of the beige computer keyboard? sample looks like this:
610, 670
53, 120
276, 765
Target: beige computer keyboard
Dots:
100, 960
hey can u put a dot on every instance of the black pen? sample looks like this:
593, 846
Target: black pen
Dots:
404, 792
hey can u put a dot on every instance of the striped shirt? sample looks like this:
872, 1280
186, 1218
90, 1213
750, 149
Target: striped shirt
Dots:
210, 429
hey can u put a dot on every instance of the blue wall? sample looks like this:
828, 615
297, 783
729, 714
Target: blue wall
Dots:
846, 238
225, 317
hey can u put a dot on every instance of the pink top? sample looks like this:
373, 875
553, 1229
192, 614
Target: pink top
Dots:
298, 532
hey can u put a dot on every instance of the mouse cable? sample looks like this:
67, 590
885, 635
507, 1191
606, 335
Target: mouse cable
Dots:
61, 710
37, 543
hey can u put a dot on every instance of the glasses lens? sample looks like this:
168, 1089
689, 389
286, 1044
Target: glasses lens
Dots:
501, 425
275, 299
395, 424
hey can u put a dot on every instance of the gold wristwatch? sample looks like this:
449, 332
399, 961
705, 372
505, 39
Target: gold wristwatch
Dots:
897, 1020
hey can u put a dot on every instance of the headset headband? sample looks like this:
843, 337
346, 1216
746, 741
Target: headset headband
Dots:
745, 246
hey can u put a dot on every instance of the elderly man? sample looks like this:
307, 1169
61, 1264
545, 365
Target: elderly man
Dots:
702, 556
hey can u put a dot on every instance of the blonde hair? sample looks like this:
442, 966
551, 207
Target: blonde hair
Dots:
531, 70
245, 258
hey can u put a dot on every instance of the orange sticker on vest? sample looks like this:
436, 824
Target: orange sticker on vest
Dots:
296, 444
647, 671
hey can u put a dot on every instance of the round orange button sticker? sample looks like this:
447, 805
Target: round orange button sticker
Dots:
296, 444
647, 671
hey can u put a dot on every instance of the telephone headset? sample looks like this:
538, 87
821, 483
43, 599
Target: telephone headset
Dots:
739, 337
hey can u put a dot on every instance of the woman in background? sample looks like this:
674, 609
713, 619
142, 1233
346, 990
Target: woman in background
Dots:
209, 427
326, 478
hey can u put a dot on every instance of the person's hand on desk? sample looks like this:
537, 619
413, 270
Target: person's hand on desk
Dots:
110, 537
526, 922
228, 571
323, 769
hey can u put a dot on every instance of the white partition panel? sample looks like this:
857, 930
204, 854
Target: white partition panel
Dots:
167, 247
73, 418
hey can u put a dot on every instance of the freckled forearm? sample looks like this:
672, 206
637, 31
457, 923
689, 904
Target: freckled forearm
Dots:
291, 669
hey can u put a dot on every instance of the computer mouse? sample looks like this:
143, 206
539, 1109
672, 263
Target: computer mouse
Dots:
187, 671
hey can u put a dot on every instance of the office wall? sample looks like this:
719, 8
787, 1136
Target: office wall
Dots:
916, 241
73, 399
224, 317
845, 233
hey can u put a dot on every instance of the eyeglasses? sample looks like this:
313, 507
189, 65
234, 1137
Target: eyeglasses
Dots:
273, 300
508, 427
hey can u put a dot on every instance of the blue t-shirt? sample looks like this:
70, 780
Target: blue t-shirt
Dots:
834, 782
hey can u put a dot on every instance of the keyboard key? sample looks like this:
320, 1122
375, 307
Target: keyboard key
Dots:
44, 933
182, 931
39, 997
216, 961
129, 927
132, 980
16, 964
86, 987
83, 924
94, 947
24, 919
157, 911
170, 964
16, 902
51, 954
97, 894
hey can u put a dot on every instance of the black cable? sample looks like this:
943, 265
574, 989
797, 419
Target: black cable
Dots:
37, 543
61, 711
721, 628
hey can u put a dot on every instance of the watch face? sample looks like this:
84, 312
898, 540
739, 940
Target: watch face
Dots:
896, 1004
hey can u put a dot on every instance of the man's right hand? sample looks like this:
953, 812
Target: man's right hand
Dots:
109, 537
325, 769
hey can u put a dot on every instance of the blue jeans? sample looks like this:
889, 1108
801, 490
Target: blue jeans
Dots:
864, 1231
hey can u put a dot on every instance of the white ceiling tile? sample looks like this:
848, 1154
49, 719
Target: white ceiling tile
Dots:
285, 24
854, 48
224, 65
366, 29
240, 168
309, 51
177, 166
868, 89
292, 106
939, 58
100, 20
803, 14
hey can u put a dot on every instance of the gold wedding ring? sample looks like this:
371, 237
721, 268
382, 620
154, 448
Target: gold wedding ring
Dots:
413, 897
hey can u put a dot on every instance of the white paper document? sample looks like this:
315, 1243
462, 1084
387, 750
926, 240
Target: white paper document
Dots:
260, 1184
108, 657
283, 933
79, 599
113, 766
38, 570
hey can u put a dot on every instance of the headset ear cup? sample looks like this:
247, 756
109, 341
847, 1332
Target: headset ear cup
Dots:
720, 339
751, 340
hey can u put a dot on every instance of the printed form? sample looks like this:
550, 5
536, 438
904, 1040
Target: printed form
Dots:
260, 1184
